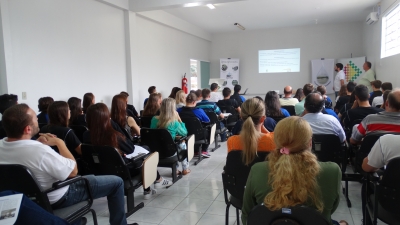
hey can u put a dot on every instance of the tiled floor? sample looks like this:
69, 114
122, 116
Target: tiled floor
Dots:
198, 199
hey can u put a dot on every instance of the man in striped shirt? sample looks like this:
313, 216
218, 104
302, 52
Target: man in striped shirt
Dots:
387, 121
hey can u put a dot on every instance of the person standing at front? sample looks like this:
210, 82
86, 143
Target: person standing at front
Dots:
368, 76
339, 78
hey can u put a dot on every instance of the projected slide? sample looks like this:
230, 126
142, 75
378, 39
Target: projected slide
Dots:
279, 60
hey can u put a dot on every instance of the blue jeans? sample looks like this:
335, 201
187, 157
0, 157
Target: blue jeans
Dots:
222, 135
110, 186
32, 213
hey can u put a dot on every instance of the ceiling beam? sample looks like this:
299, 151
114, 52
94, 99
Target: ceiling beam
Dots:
149, 5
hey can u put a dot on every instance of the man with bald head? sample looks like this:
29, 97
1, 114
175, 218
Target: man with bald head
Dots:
386, 121
321, 123
287, 100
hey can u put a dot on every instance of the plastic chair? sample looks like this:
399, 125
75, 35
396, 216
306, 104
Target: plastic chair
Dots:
160, 140
290, 109
79, 130
145, 121
232, 119
214, 120
384, 203
19, 178
106, 160
261, 215
234, 180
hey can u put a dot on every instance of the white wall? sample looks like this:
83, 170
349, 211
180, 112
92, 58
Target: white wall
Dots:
163, 56
66, 48
316, 41
387, 69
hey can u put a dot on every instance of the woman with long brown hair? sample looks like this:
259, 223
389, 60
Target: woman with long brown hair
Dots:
273, 106
153, 104
173, 92
101, 132
253, 137
43, 105
292, 175
77, 116
88, 100
59, 115
119, 116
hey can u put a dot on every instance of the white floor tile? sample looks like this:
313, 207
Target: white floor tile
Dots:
204, 193
150, 215
182, 218
178, 191
194, 205
211, 183
219, 208
209, 219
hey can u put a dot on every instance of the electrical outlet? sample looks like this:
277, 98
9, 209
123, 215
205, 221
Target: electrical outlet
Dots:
23, 95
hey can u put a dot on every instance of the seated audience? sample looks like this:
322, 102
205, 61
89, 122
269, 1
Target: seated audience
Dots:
77, 116
190, 109
6, 101
385, 95
328, 102
151, 90
102, 133
44, 103
287, 99
152, 107
208, 106
173, 92
253, 137
347, 106
342, 92
384, 150
48, 167
345, 99
88, 100
361, 107
386, 121
126, 123
170, 120
376, 90
299, 107
386, 86
236, 94
273, 107
130, 109
180, 99
292, 175
59, 116
299, 95
319, 122
228, 101
199, 95
215, 96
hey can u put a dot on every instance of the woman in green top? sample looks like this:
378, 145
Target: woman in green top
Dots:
169, 119
292, 175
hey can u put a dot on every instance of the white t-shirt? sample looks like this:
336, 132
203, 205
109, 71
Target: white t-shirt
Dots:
378, 100
215, 97
46, 165
288, 101
339, 76
385, 149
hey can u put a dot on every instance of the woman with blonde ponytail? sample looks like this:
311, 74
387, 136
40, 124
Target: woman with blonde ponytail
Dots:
292, 175
253, 137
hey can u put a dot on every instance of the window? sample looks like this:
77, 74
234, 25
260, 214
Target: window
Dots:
391, 33
194, 75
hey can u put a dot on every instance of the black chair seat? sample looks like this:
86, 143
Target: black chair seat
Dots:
167, 161
70, 210
236, 202
136, 181
384, 215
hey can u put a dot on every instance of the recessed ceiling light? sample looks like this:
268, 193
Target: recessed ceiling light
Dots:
191, 4
211, 6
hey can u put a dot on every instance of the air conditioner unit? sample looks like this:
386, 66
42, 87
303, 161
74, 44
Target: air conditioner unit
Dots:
372, 18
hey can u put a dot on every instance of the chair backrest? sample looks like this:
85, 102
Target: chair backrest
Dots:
277, 119
194, 126
42, 125
190, 147
389, 187
79, 130
378, 106
149, 170
236, 172
159, 140
234, 117
328, 148
214, 119
297, 215
19, 178
145, 121
290, 109
366, 146
104, 160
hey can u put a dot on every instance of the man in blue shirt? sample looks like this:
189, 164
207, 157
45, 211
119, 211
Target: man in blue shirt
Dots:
239, 98
321, 123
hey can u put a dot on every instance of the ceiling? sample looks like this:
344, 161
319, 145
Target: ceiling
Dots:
266, 14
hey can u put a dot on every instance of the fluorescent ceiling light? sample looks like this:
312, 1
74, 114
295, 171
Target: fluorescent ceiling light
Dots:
191, 4
211, 6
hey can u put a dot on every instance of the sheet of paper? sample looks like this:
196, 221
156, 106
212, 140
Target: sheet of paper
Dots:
226, 114
138, 150
9, 209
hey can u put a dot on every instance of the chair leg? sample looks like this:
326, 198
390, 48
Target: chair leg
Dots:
94, 216
130, 203
227, 214
200, 157
175, 178
237, 217
216, 143
347, 193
